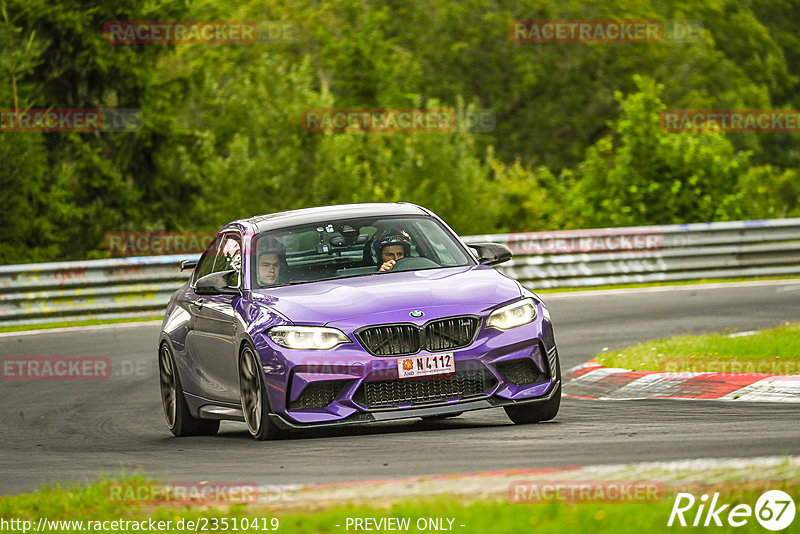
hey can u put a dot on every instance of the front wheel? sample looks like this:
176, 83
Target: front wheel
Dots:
534, 413
524, 414
179, 419
255, 403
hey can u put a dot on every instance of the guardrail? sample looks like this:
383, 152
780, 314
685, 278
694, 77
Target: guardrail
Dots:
140, 287
580, 258
96, 289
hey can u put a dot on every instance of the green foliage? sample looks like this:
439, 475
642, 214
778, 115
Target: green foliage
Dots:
529, 200
765, 192
78, 186
577, 141
437, 170
22, 178
23, 156
644, 175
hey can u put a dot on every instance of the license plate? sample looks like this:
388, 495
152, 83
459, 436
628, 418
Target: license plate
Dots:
429, 364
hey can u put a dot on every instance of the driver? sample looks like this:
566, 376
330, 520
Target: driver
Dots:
391, 247
271, 261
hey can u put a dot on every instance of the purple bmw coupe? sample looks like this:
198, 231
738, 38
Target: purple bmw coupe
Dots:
351, 314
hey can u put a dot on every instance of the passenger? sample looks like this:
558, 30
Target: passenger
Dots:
394, 245
271, 263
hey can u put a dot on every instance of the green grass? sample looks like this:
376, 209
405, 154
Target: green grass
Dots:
774, 351
65, 324
495, 514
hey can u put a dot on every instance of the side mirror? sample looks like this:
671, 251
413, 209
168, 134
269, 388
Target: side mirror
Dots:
217, 284
188, 264
491, 253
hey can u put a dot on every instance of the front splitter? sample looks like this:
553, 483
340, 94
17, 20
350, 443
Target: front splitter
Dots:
408, 413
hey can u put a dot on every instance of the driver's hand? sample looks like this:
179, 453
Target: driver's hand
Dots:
387, 266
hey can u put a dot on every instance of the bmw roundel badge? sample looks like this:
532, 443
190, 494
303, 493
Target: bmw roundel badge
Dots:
416, 314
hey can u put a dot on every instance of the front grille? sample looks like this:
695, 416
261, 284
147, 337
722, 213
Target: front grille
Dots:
452, 333
462, 384
521, 371
402, 339
390, 340
317, 395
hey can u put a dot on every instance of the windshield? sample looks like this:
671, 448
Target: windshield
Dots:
343, 248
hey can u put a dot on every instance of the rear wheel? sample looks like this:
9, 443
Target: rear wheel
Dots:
539, 411
176, 411
255, 403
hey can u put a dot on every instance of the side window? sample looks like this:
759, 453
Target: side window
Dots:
206, 264
224, 253
442, 249
230, 257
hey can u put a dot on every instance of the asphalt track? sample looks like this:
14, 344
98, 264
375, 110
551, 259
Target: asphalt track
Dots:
73, 431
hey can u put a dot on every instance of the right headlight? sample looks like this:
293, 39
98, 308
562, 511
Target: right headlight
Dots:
307, 337
514, 314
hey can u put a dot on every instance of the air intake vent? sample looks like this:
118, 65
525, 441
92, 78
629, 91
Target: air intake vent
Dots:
390, 393
317, 395
521, 371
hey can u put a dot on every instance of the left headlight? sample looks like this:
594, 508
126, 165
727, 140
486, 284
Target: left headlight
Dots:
515, 314
307, 337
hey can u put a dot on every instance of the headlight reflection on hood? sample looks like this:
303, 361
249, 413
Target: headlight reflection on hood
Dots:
307, 337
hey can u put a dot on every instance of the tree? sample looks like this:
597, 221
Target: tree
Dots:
97, 181
644, 175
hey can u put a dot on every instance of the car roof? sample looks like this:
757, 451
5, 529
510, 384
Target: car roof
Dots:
272, 221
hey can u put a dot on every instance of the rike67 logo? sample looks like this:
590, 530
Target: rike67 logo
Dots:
774, 510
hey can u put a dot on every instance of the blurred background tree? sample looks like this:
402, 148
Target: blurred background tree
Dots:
577, 141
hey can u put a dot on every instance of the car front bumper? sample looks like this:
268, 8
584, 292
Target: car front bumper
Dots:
444, 408
350, 370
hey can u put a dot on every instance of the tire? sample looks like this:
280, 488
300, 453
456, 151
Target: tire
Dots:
524, 414
253, 395
179, 419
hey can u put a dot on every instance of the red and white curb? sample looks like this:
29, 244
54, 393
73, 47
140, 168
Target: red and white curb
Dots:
593, 381
500, 484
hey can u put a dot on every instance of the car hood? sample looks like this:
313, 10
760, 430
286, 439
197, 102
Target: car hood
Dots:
390, 297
